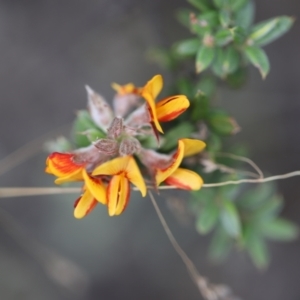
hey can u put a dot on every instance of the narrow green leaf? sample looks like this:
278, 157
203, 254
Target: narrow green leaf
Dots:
230, 219
170, 139
280, 229
259, 59
239, 35
183, 16
223, 37
202, 5
270, 30
214, 143
225, 18
187, 47
257, 248
207, 85
205, 23
237, 4
200, 107
220, 245
204, 58
221, 123
207, 218
244, 16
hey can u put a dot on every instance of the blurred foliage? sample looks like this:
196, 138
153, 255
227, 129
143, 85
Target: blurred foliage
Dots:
223, 44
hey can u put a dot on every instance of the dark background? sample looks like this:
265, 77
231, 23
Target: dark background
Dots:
48, 51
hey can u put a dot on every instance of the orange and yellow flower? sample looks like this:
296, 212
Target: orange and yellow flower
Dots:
123, 171
63, 166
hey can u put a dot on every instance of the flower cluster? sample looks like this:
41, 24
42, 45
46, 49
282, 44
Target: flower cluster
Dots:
109, 165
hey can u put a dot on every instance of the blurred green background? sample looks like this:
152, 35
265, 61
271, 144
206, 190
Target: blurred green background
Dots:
49, 51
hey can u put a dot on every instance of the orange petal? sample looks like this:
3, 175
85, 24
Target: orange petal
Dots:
96, 187
84, 205
185, 179
124, 193
126, 165
171, 107
62, 164
163, 174
192, 147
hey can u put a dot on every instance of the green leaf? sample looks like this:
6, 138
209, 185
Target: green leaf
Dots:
259, 59
257, 248
204, 58
207, 85
208, 217
202, 5
83, 123
185, 87
214, 143
236, 5
255, 197
224, 17
61, 144
220, 245
239, 35
237, 78
200, 107
230, 219
183, 16
280, 229
223, 37
148, 141
270, 30
205, 23
170, 139
244, 16
221, 123
187, 47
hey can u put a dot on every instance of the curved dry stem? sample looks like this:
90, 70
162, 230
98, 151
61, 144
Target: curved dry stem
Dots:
244, 159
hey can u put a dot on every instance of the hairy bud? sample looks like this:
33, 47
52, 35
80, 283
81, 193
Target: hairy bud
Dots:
129, 146
115, 129
107, 146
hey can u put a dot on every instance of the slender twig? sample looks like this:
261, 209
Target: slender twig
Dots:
244, 159
6, 192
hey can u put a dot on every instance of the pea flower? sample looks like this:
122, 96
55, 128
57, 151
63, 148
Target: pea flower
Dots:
108, 167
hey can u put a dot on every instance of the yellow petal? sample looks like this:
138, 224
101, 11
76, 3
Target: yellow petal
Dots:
96, 187
73, 177
134, 175
185, 179
171, 107
124, 193
84, 205
62, 165
154, 86
112, 167
152, 109
113, 194
128, 88
192, 147
163, 174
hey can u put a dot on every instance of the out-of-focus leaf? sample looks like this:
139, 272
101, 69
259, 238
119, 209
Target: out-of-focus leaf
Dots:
183, 16
256, 247
230, 219
202, 5
244, 16
236, 5
269, 210
83, 123
280, 229
270, 30
187, 47
214, 143
255, 197
202, 197
200, 107
207, 85
221, 123
170, 140
224, 17
204, 23
220, 245
149, 142
223, 37
185, 87
204, 58
239, 35
237, 78
208, 217
219, 3
259, 59
161, 57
